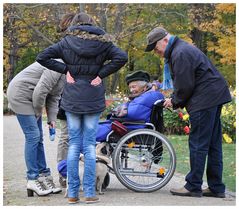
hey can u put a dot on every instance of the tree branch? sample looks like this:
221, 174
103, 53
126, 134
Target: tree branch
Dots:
135, 29
39, 33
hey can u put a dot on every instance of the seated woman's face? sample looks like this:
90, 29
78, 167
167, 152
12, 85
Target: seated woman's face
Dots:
135, 88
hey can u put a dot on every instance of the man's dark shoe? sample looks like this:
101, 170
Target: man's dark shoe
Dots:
184, 192
208, 193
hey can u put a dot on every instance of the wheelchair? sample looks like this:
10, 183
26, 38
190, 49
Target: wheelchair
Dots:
143, 160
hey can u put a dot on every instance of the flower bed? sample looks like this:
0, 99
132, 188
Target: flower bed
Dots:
178, 122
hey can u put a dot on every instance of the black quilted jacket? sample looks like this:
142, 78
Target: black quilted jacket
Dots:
87, 52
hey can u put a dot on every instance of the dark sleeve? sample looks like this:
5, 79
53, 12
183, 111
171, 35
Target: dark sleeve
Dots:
117, 58
184, 79
47, 59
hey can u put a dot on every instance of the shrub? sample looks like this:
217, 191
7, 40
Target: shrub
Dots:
6, 110
178, 122
173, 124
228, 120
5, 104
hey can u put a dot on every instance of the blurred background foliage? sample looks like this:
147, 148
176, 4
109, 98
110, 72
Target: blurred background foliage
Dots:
29, 28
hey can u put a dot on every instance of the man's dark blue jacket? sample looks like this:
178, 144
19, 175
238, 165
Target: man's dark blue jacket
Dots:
85, 51
197, 83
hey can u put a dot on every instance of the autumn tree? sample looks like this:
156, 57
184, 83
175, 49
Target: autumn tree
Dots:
29, 28
214, 32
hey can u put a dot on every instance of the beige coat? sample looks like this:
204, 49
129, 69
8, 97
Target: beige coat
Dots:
34, 88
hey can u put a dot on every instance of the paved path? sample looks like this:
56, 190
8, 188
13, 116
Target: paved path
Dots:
14, 183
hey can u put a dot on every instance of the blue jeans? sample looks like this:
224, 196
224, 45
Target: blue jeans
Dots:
34, 149
82, 130
205, 141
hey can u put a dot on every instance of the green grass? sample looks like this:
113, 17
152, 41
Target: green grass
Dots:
180, 144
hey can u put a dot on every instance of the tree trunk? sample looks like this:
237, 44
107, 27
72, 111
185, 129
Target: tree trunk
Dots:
198, 38
11, 35
102, 15
103, 24
118, 29
12, 62
81, 8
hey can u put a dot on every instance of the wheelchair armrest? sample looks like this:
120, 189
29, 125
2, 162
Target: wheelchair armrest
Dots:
140, 122
125, 120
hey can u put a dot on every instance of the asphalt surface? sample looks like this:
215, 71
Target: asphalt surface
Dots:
14, 181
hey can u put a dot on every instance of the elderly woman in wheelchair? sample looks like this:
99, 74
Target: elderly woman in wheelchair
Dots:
143, 159
137, 110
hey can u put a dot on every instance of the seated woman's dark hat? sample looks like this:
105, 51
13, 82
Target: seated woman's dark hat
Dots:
137, 76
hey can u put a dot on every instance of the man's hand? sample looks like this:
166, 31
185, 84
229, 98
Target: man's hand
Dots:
168, 103
69, 78
97, 81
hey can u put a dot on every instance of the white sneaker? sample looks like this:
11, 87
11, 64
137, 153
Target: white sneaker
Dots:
49, 184
38, 187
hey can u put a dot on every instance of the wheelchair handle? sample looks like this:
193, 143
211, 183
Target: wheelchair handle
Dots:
160, 103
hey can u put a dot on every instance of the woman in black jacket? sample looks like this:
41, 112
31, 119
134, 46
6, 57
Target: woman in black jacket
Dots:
84, 50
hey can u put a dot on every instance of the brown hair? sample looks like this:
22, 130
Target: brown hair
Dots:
66, 21
83, 19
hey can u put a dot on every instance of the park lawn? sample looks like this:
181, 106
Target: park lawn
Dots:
180, 144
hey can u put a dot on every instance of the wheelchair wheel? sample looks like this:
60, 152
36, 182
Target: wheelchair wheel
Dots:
144, 160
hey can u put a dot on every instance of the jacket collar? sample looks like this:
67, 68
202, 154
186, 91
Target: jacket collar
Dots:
169, 50
90, 33
87, 28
